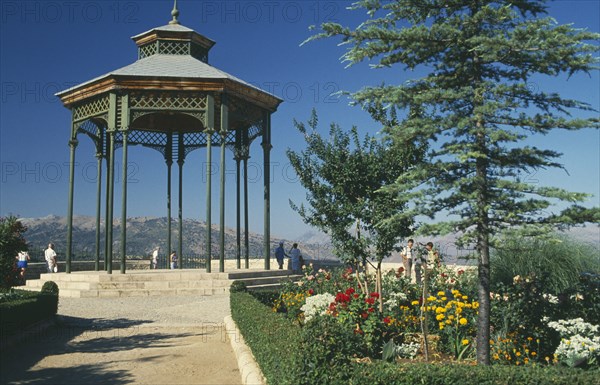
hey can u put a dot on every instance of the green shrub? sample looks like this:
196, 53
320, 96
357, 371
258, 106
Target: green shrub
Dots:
26, 309
381, 373
11, 243
50, 287
274, 340
237, 287
266, 297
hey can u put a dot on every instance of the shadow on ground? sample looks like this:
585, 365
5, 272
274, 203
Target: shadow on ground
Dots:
22, 363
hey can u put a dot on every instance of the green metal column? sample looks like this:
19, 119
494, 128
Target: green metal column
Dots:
111, 190
180, 160
246, 238
124, 206
238, 224
106, 228
98, 204
169, 159
72, 145
266, 144
209, 129
224, 129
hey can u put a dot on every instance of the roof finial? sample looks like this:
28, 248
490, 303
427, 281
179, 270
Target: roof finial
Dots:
174, 13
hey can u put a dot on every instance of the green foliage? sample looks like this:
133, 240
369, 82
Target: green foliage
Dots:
273, 339
287, 354
50, 287
25, 308
237, 286
11, 243
450, 374
560, 261
478, 59
343, 175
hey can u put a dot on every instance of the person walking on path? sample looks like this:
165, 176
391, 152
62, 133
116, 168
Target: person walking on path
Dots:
22, 259
296, 257
155, 257
407, 257
173, 259
280, 255
50, 256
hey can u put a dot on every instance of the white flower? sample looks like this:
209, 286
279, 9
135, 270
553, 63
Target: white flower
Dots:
550, 298
407, 350
316, 305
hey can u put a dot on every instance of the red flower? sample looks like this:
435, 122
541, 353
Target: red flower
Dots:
356, 295
460, 272
364, 315
342, 298
350, 291
311, 291
444, 275
371, 310
370, 301
375, 295
387, 320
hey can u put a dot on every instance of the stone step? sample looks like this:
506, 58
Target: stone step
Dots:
241, 274
268, 280
267, 286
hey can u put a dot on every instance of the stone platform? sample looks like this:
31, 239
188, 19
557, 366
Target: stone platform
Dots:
157, 282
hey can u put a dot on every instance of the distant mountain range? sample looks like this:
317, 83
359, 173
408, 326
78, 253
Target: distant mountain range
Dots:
145, 233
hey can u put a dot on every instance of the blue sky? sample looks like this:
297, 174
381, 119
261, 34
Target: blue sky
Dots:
48, 46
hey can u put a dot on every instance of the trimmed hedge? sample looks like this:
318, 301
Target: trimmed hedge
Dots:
274, 340
286, 355
30, 308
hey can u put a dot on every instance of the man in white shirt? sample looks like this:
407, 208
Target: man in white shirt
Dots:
407, 257
50, 256
155, 257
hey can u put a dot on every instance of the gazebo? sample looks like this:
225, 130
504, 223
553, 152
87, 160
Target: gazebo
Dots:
171, 100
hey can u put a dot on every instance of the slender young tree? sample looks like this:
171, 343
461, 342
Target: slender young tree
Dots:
343, 175
478, 102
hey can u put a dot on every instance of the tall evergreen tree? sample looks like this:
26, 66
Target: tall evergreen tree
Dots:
476, 109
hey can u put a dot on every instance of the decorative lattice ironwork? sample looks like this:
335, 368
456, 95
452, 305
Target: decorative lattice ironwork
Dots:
166, 47
92, 108
147, 50
167, 101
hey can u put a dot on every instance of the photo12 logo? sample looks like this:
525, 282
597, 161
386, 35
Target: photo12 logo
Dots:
53, 12
270, 12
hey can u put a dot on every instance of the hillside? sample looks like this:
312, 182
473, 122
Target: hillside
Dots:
145, 233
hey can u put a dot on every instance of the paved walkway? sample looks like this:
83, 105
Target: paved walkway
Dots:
141, 340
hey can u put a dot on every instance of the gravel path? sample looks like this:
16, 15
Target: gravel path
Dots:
141, 340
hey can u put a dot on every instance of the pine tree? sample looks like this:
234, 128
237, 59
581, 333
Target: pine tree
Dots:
476, 108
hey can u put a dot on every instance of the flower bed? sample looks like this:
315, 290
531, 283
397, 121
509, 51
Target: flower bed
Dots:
320, 352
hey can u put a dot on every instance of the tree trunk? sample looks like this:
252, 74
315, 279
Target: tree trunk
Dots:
483, 251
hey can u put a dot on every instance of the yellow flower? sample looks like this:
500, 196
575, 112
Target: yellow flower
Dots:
463, 321
439, 317
464, 297
444, 299
465, 341
441, 326
441, 293
414, 303
518, 354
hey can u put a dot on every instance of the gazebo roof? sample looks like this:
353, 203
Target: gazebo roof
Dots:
171, 57
166, 66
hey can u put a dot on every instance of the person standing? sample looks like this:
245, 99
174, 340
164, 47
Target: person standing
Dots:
155, 257
407, 257
22, 259
433, 257
50, 256
280, 255
295, 256
173, 259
